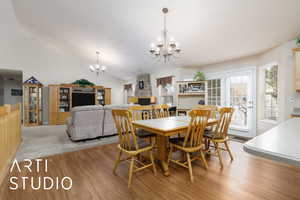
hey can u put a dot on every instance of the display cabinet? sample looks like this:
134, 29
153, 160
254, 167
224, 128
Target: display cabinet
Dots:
64, 99
65, 96
190, 94
100, 95
32, 102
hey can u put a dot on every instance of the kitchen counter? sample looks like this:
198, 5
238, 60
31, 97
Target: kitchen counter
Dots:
281, 143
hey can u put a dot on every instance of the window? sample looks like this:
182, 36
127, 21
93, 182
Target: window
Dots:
128, 92
271, 93
214, 92
166, 94
165, 90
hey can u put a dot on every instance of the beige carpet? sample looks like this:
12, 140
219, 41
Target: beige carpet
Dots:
43, 141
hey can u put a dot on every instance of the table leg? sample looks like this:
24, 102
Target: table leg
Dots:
162, 153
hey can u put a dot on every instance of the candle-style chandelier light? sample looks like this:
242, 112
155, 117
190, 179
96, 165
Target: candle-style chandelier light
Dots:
97, 68
165, 47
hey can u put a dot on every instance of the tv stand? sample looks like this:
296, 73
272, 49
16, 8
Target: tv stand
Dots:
61, 100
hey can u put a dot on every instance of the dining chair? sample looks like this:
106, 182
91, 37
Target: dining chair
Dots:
142, 113
212, 108
129, 144
161, 111
220, 134
213, 114
192, 142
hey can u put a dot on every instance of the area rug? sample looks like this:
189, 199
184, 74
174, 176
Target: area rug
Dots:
41, 141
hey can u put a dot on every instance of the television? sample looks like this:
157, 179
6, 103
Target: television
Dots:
144, 101
83, 99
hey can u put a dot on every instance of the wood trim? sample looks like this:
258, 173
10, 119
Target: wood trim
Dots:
296, 49
297, 69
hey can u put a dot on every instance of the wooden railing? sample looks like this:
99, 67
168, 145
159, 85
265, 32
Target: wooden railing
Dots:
10, 135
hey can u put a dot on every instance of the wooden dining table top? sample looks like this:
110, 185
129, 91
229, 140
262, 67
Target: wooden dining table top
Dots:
168, 126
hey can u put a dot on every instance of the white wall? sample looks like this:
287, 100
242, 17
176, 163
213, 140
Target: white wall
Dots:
9, 84
44, 59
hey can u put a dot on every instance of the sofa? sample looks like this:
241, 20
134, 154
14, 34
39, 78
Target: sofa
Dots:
89, 122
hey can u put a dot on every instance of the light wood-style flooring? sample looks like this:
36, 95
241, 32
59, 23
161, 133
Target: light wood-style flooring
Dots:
247, 177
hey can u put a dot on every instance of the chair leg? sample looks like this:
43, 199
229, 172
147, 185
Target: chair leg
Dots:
203, 159
170, 154
130, 171
190, 167
117, 162
206, 143
228, 149
152, 161
219, 153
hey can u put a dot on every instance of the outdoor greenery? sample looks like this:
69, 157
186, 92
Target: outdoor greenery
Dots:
199, 76
83, 83
298, 41
271, 81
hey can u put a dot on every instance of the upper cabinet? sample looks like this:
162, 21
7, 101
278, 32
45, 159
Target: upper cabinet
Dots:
297, 66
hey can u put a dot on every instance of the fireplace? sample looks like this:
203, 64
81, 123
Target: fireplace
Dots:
143, 86
144, 101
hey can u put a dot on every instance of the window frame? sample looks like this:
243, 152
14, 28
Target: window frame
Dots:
264, 117
214, 88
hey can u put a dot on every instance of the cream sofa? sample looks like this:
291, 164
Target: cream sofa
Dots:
89, 122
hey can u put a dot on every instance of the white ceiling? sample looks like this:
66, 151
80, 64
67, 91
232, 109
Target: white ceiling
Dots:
209, 31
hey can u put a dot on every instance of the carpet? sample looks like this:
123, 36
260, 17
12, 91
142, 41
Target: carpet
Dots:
41, 141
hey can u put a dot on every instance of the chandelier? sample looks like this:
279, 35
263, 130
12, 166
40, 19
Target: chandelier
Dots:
97, 68
165, 47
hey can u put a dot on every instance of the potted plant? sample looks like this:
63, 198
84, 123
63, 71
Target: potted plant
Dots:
298, 41
83, 83
199, 76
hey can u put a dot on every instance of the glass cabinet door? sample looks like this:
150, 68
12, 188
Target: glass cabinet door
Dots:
32, 99
26, 105
64, 99
40, 105
101, 96
33, 103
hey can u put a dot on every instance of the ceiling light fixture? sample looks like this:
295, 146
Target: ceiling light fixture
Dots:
165, 47
97, 68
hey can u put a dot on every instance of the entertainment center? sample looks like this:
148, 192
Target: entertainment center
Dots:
62, 98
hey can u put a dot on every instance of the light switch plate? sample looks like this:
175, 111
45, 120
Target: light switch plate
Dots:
292, 99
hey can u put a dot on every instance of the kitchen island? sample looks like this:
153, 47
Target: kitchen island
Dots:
281, 143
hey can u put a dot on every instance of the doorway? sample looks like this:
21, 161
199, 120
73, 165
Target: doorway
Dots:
236, 88
10, 86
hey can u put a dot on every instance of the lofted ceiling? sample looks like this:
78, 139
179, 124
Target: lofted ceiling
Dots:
209, 31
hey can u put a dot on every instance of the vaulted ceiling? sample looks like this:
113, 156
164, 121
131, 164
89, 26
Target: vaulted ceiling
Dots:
209, 31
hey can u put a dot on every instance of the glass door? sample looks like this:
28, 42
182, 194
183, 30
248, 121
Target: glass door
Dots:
238, 90
239, 96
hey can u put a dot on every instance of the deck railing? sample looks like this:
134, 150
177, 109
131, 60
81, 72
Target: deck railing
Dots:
10, 135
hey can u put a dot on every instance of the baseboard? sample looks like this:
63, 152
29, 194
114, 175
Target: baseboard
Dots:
87, 139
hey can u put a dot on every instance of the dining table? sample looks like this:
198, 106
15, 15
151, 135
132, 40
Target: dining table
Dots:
164, 128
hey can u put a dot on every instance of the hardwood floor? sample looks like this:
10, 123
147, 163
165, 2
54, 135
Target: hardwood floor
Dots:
247, 177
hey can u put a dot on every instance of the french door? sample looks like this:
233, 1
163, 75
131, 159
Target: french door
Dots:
238, 90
